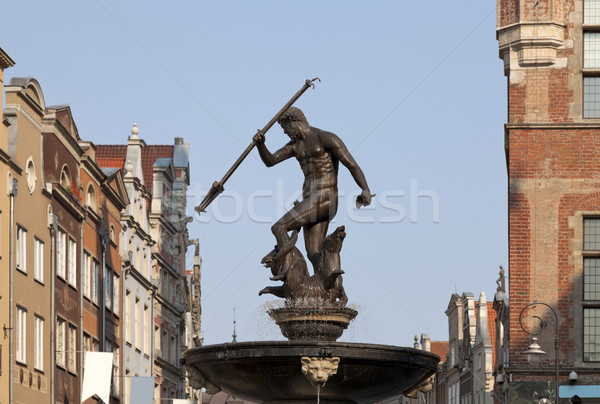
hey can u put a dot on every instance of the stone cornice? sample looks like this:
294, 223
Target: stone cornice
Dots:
139, 277
168, 365
62, 196
168, 305
93, 215
134, 225
164, 263
164, 222
554, 126
535, 43
19, 109
5, 60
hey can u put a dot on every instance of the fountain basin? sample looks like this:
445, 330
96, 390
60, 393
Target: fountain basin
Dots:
270, 371
313, 323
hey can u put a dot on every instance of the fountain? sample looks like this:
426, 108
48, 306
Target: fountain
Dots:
311, 366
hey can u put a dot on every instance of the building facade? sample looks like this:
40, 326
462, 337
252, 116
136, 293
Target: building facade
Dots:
28, 252
468, 374
93, 243
135, 251
6, 201
552, 140
165, 173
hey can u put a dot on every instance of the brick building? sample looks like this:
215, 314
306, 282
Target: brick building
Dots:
552, 138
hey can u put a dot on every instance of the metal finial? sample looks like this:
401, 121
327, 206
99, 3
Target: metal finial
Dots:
234, 333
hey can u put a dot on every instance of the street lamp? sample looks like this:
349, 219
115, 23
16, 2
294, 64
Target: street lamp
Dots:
534, 352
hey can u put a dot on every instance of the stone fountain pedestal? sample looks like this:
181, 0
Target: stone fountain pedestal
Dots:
312, 323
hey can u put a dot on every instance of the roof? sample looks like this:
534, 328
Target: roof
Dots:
109, 171
149, 156
5, 60
112, 162
440, 348
114, 156
491, 315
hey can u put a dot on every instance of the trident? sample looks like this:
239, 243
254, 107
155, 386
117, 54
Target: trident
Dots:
217, 187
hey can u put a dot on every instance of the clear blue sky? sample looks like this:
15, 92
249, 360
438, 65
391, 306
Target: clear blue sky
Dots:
415, 89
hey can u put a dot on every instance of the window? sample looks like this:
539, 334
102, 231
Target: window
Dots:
95, 280
591, 59
136, 326
87, 342
164, 345
72, 274
60, 342
38, 260
157, 344
38, 352
114, 348
87, 274
30, 175
61, 254
72, 349
87, 345
108, 288
173, 350
21, 249
116, 382
90, 197
128, 324
65, 177
21, 335
115, 290
146, 330
591, 289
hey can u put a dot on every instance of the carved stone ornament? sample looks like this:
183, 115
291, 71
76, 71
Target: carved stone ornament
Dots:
318, 370
198, 381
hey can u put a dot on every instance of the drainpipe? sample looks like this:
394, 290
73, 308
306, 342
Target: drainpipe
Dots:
152, 340
124, 274
12, 192
53, 228
81, 259
104, 242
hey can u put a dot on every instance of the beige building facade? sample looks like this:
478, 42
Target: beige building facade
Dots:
29, 233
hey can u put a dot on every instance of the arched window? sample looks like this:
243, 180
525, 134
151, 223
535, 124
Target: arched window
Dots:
111, 234
65, 177
90, 197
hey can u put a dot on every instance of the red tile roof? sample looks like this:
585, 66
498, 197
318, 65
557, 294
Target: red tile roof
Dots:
149, 156
112, 162
111, 155
441, 349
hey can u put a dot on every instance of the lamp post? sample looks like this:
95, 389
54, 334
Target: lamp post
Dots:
534, 351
